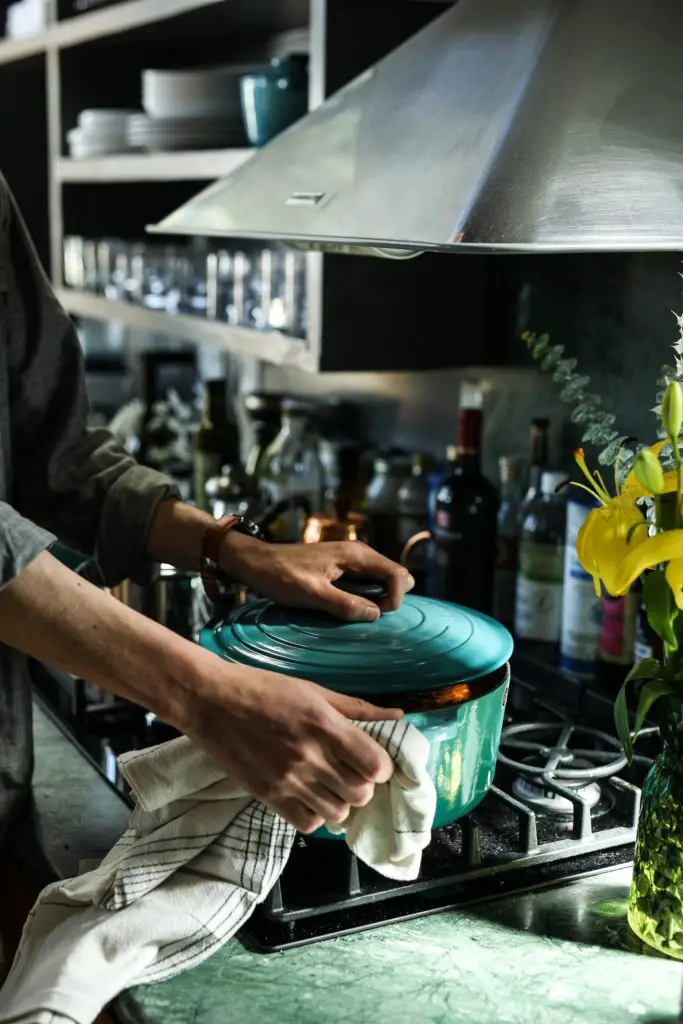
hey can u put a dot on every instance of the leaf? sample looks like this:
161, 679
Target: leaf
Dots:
657, 600
646, 668
621, 721
650, 692
608, 456
564, 370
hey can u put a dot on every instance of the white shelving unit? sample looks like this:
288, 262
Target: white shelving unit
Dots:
268, 345
205, 165
84, 28
280, 24
95, 59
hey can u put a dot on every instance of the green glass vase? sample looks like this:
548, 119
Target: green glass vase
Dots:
655, 910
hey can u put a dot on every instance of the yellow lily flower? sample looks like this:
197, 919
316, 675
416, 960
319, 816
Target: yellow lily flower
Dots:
603, 547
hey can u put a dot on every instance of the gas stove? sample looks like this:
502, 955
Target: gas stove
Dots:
564, 803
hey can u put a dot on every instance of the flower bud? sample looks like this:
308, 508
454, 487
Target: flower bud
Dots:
648, 471
672, 409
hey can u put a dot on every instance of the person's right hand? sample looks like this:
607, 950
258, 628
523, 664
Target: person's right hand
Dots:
289, 742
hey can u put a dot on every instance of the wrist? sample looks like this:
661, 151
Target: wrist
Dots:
237, 553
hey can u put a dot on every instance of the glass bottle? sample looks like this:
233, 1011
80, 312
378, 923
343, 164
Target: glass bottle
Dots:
217, 442
293, 472
538, 605
265, 414
539, 458
505, 578
381, 502
413, 515
463, 546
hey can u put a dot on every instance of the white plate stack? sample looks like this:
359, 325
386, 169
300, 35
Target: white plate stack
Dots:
195, 109
99, 133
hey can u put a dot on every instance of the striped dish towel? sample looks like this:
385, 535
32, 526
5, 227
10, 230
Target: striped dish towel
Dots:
198, 856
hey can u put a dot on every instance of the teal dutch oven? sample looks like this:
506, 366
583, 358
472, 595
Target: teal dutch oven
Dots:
445, 665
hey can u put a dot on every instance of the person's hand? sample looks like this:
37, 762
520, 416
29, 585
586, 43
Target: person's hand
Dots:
288, 742
303, 574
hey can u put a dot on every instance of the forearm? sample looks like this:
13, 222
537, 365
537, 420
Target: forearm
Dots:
51, 614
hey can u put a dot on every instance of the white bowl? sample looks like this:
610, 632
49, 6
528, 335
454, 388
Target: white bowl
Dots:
205, 92
104, 120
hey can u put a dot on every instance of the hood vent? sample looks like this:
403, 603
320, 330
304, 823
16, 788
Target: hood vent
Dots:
503, 126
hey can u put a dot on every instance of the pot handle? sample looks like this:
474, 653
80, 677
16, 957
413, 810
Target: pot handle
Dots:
359, 585
417, 538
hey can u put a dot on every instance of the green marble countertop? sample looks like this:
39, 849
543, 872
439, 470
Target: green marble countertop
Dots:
555, 956
558, 956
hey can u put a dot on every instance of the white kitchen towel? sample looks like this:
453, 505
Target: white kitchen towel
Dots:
197, 857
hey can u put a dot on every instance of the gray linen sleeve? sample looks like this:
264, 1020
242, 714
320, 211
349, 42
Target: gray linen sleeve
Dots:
20, 542
76, 483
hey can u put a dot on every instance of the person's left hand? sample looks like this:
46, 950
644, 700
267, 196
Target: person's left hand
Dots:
302, 575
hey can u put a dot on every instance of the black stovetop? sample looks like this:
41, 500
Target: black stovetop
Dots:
563, 804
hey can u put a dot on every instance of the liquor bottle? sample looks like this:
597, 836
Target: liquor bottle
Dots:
463, 546
217, 443
539, 457
538, 606
505, 578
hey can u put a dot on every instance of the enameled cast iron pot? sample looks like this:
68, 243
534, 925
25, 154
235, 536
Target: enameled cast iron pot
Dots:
445, 665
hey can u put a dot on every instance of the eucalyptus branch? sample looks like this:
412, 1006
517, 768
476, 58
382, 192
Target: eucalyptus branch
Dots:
588, 411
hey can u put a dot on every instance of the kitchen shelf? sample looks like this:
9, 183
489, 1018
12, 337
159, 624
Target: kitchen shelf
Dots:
271, 346
202, 165
111, 21
82, 28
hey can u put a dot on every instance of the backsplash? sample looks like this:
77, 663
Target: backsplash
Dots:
613, 313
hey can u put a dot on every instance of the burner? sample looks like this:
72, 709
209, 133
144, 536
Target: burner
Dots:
572, 755
547, 801
557, 773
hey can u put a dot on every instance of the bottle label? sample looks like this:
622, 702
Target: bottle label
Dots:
617, 636
538, 606
581, 609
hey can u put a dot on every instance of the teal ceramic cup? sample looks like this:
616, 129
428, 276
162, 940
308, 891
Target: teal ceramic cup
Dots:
272, 100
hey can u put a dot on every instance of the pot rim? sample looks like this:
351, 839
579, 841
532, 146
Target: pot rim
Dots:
450, 696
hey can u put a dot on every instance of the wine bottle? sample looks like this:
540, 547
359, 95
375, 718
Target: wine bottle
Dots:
539, 457
217, 443
463, 547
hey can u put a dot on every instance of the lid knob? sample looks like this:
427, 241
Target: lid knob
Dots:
369, 587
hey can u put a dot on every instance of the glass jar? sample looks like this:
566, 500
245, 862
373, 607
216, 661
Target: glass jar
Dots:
293, 472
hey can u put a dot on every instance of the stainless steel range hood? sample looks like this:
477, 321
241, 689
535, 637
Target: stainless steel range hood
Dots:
504, 125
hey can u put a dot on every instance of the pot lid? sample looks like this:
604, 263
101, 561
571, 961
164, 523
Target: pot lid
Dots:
424, 645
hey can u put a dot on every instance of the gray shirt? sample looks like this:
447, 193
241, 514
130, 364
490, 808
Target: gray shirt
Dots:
58, 478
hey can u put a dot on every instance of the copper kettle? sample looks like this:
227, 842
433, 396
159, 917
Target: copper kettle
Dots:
351, 526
